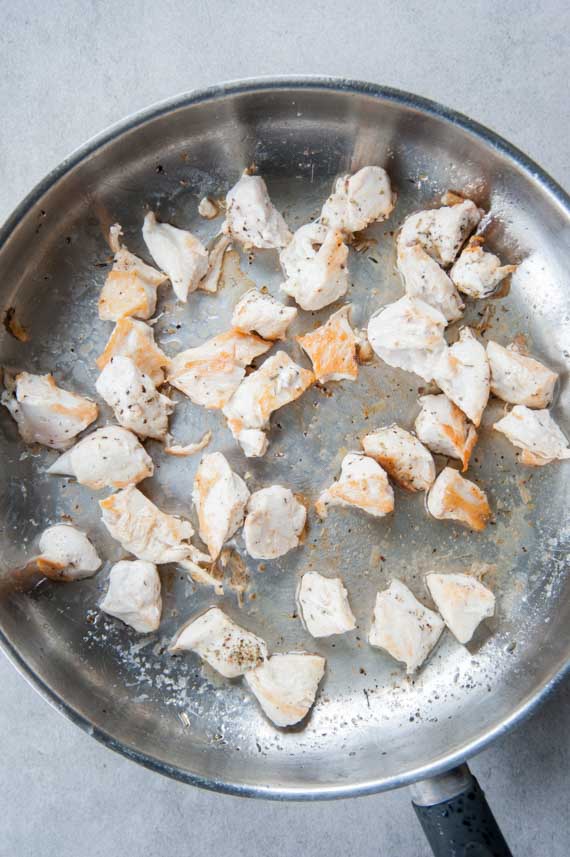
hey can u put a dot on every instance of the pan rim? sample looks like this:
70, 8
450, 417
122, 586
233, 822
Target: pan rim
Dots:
220, 91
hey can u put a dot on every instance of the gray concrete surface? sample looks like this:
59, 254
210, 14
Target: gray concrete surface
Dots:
68, 69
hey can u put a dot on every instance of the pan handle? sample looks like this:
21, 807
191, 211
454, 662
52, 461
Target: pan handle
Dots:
456, 818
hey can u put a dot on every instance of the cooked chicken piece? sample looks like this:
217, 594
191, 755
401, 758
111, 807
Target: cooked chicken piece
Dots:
262, 314
253, 442
200, 568
362, 484
286, 686
323, 605
44, 412
441, 231
143, 530
463, 374
136, 402
403, 457
115, 232
208, 208
110, 457
135, 339
209, 374
519, 379
477, 273
408, 334
276, 383
315, 266
445, 429
131, 285
252, 218
274, 522
133, 595
364, 351
359, 200
425, 279
216, 252
228, 648
332, 348
212, 575
178, 253
190, 448
463, 602
454, 498
220, 497
536, 433
402, 626
66, 554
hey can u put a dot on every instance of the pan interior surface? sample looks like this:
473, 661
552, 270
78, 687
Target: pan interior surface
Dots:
372, 727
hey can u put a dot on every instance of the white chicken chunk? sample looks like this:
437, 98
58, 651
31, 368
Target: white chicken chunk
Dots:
286, 686
110, 457
133, 595
178, 253
252, 218
131, 285
262, 314
324, 606
519, 379
315, 266
274, 522
364, 352
253, 442
332, 348
45, 413
424, 278
477, 273
408, 334
143, 530
216, 252
463, 602
209, 374
136, 403
208, 208
66, 554
359, 200
363, 484
445, 429
403, 627
182, 451
536, 433
454, 498
276, 383
463, 374
220, 497
440, 231
212, 575
135, 340
403, 457
228, 648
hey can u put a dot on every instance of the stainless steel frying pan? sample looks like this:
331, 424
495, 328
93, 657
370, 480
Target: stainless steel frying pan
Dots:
372, 728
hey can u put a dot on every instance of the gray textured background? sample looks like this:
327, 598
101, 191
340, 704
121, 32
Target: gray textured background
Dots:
68, 69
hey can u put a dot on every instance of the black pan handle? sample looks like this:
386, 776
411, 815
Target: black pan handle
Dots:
456, 817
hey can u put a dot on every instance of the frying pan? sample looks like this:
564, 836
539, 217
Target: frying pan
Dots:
372, 727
